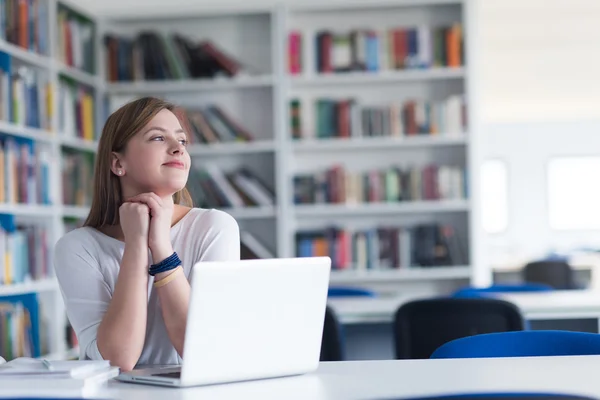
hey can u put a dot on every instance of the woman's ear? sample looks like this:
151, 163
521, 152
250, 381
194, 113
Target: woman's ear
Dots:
116, 165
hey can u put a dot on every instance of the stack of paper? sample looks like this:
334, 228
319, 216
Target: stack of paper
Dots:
28, 376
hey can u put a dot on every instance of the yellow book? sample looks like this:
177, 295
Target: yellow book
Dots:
88, 116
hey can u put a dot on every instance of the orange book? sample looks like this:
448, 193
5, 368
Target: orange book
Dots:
453, 46
320, 247
23, 28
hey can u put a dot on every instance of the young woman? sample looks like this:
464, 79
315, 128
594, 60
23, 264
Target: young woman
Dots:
125, 274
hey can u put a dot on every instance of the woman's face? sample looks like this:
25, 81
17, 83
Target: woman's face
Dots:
155, 159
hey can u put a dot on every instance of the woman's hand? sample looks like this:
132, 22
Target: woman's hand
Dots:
159, 233
135, 222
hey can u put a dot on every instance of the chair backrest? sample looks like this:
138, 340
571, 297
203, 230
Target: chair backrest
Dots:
421, 326
332, 345
557, 274
501, 288
346, 291
521, 344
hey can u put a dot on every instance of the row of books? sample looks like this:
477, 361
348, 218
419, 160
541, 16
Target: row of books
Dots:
347, 118
373, 50
24, 252
336, 185
75, 40
76, 110
24, 95
212, 124
25, 24
152, 55
384, 247
24, 172
211, 187
20, 331
77, 170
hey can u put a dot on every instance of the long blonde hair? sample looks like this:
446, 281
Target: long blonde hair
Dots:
119, 128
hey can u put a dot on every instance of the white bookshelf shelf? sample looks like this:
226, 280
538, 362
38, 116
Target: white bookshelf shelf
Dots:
191, 85
74, 211
377, 143
78, 75
257, 146
38, 135
78, 143
414, 207
43, 285
26, 56
251, 212
400, 275
380, 77
31, 210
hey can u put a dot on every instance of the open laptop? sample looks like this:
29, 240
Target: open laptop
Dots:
249, 319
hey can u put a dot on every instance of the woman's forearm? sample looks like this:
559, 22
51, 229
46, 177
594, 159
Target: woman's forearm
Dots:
174, 300
122, 331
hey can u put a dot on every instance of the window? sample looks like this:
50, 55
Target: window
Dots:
574, 193
494, 196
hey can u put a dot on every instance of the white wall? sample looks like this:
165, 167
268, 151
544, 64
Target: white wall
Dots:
539, 97
539, 59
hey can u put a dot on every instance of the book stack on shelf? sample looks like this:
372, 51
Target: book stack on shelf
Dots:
25, 24
153, 55
25, 254
24, 94
76, 43
212, 124
76, 110
77, 169
397, 48
348, 119
24, 171
384, 247
210, 187
20, 331
392, 185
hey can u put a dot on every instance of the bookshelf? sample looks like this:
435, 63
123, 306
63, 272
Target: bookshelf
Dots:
365, 125
35, 115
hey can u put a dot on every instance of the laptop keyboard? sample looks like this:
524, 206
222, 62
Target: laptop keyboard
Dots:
174, 375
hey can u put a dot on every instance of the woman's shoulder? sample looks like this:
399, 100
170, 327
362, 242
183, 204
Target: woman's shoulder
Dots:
210, 219
76, 240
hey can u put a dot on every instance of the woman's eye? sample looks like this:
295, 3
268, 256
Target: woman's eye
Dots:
184, 142
158, 137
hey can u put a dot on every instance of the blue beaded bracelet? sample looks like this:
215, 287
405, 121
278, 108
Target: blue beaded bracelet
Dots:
167, 264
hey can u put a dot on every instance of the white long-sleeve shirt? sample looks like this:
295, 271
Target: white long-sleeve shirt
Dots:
87, 265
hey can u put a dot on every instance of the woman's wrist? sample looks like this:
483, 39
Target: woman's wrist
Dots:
137, 243
161, 253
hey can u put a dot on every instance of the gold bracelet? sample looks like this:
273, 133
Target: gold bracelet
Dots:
168, 279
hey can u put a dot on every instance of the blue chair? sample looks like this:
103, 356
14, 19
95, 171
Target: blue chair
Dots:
468, 292
521, 344
342, 291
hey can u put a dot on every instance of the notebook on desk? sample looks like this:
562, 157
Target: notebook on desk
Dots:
249, 319
24, 367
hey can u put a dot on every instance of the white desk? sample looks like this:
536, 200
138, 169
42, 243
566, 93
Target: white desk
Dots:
398, 379
573, 304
